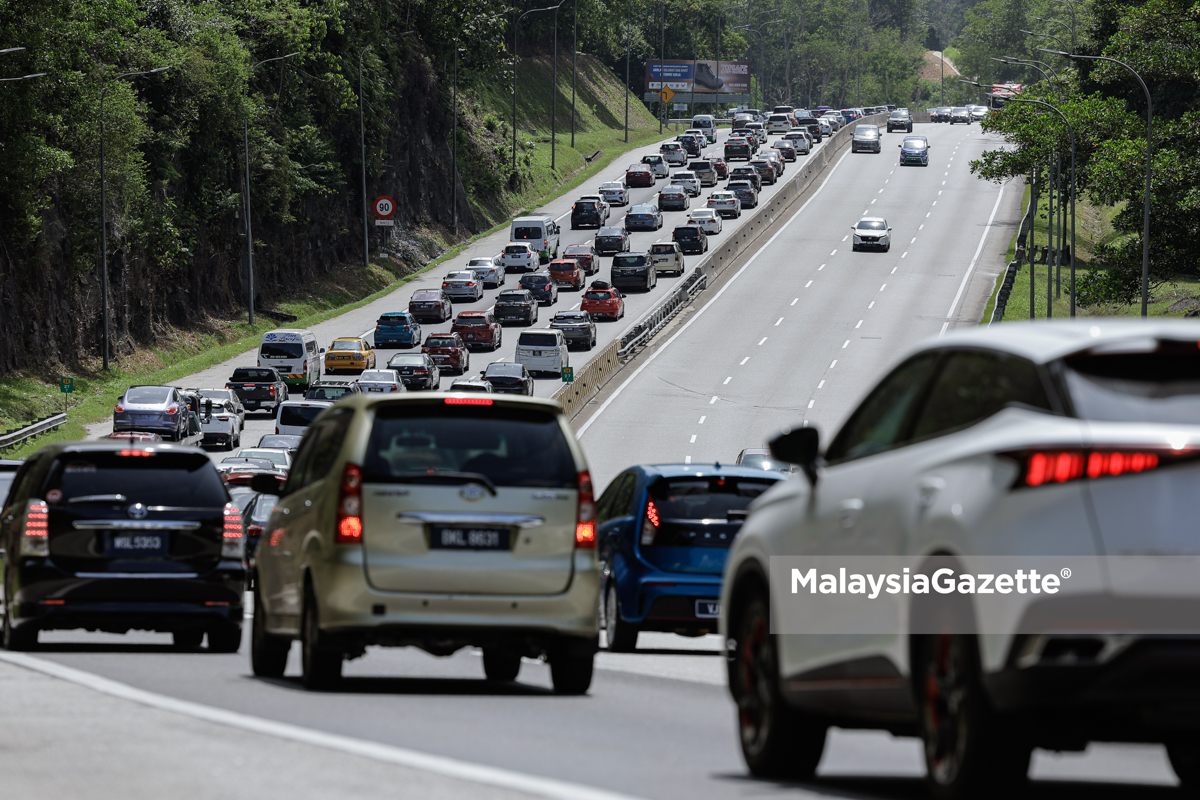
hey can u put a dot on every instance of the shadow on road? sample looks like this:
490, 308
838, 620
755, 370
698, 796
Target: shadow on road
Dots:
455, 687
885, 788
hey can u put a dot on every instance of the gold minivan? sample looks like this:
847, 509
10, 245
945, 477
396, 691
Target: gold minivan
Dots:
438, 521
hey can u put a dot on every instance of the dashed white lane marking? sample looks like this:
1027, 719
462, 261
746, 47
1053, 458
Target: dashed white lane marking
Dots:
810, 403
796, 300
760, 341
870, 305
872, 202
880, 191
971, 268
934, 203
846, 344
893, 272
808, 284
914, 239
939, 192
821, 385
714, 399
833, 364
377, 751
743, 361
859, 325
693, 439
820, 268
687, 459
844, 238
778, 321
727, 380
902, 255
927, 213
832, 254
701, 422
921, 227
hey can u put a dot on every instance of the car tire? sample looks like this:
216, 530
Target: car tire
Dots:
268, 653
776, 740
622, 636
591, 343
187, 639
466, 365
1184, 755
970, 752
501, 664
571, 673
225, 638
17, 639
320, 665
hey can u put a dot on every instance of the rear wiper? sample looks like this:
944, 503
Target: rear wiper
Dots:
439, 479
99, 498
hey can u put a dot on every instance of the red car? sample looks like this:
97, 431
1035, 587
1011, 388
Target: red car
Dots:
602, 300
566, 272
448, 351
639, 175
720, 166
585, 255
478, 329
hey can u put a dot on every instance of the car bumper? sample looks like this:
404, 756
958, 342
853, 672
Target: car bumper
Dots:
394, 341
672, 608
334, 366
156, 426
634, 281
463, 294
881, 244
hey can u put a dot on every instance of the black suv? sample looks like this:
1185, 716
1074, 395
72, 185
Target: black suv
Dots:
690, 239
115, 536
593, 213
542, 286
508, 378
613, 239
633, 271
515, 305
899, 121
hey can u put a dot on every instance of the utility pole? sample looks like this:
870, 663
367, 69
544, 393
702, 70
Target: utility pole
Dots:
574, 64
628, 26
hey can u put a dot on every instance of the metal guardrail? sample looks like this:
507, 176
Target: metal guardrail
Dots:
664, 312
1014, 266
16, 436
573, 395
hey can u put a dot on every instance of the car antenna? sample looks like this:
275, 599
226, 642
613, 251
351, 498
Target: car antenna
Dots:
717, 464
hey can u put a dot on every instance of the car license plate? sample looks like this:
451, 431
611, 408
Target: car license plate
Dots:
139, 545
468, 538
708, 609
374, 388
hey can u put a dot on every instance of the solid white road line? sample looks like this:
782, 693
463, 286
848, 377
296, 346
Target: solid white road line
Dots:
616, 393
441, 765
975, 259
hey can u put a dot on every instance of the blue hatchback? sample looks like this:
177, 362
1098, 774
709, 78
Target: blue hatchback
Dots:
397, 329
664, 532
914, 150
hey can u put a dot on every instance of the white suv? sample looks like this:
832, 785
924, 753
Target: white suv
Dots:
542, 350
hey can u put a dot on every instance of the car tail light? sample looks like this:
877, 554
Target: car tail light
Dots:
233, 544
35, 537
254, 531
349, 528
585, 525
172, 409
1042, 467
273, 394
120, 409
650, 524
468, 401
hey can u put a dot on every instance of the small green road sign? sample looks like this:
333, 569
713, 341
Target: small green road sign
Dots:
66, 385
568, 374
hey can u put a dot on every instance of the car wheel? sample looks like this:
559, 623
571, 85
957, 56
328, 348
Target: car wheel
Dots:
187, 639
571, 671
622, 636
16, 639
1184, 755
466, 365
268, 653
320, 665
225, 638
969, 751
501, 664
777, 741
591, 342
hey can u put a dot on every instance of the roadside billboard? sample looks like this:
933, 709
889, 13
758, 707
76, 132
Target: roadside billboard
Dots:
704, 77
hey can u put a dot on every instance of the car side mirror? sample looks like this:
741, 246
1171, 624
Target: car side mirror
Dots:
799, 446
267, 484
322, 349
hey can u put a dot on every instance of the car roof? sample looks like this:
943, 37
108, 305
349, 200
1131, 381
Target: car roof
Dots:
872, 219
116, 445
1042, 341
705, 471
611, 229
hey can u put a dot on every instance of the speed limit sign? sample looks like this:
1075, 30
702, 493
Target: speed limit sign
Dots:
385, 207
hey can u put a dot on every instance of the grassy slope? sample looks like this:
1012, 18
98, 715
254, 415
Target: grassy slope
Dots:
600, 106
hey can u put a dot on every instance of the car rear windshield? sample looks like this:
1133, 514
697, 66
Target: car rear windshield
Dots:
509, 446
247, 374
407, 361
763, 461
276, 457
425, 296
694, 512
700, 166
629, 261
524, 232
585, 205
327, 393
441, 341
537, 340
570, 316
662, 249
516, 250
1148, 382
471, 322
535, 280
687, 232
392, 322
343, 345
298, 416
281, 350
183, 480
597, 296
379, 375
148, 395
512, 297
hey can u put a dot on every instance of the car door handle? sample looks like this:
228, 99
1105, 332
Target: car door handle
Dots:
848, 512
929, 487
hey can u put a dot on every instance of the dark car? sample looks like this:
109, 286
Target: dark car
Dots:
940, 114
258, 387
281, 441
153, 409
720, 166
866, 138
766, 170
448, 351
82, 517
516, 305
643, 217
633, 270
746, 173
899, 121
508, 378
914, 150
577, 328
744, 191
256, 513
417, 371
673, 198
805, 119
691, 239
738, 147
786, 148
613, 239
665, 532
589, 213
478, 329
330, 390
691, 143
430, 305
541, 286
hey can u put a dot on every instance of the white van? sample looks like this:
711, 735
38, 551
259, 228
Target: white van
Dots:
707, 124
293, 417
294, 353
542, 350
541, 232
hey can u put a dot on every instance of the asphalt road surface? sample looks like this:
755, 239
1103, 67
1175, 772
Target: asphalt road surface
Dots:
798, 332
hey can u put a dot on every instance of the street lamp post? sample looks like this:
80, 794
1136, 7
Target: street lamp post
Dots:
1149, 156
104, 205
514, 79
249, 225
662, 67
554, 94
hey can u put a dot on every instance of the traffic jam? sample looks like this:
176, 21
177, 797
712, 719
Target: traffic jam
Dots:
415, 485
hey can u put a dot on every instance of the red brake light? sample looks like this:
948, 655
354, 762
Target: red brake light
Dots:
37, 519
349, 508
273, 393
172, 409
254, 531
233, 523
585, 525
120, 409
468, 401
1060, 466
136, 453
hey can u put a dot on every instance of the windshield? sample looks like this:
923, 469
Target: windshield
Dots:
914, 144
148, 395
281, 350
346, 345
694, 512
597, 296
186, 480
1159, 383
392, 322
871, 225
629, 261
526, 232
253, 375
298, 416
509, 446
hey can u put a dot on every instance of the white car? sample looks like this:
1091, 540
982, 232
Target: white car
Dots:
673, 153
778, 123
294, 416
826, 126
725, 203
542, 350
706, 219
487, 270
760, 132
688, 180
871, 232
222, 426
231, 396
278, 456
834, 119
380, 380
1022, 440
519, 256
801, 139
615, 193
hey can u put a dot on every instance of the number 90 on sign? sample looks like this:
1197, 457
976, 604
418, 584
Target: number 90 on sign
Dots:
385, 207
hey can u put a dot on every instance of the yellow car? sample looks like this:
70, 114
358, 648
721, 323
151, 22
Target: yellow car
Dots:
349, 354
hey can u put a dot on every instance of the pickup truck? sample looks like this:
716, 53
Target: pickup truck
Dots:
258, 387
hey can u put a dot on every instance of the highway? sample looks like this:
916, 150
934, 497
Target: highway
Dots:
795, 332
